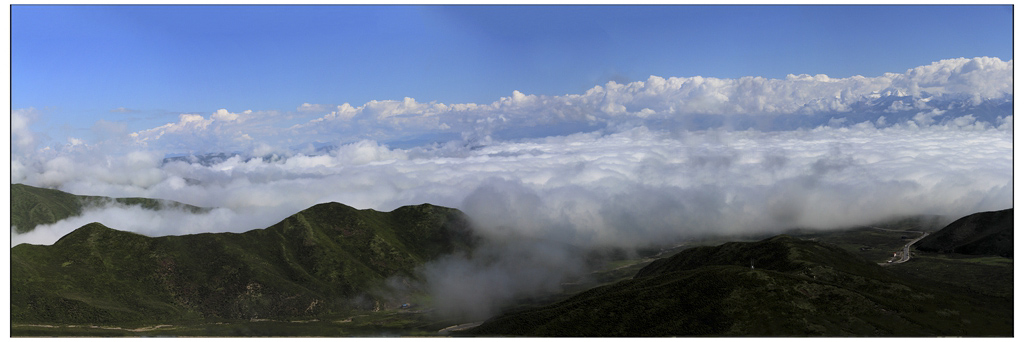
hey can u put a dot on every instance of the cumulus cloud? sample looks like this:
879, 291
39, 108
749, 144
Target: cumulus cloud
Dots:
932, 87
186, 123
378, 119
224, 115
951, 86
23, 140
222, 130
977, 78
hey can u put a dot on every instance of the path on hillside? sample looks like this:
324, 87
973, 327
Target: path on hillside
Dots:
903, 255
460, 327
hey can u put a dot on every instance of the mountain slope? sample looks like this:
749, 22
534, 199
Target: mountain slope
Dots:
781, 253
985, 233
314, 262
32, 206
796, 288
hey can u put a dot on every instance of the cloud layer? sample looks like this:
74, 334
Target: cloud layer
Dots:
624, 188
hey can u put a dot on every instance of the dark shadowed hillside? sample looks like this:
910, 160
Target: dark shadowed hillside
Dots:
795, 288
32, 206
781, 253
985, 233
312, 263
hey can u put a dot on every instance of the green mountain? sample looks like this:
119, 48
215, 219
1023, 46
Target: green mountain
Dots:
781, 286
32, 206
322, 260
985, 233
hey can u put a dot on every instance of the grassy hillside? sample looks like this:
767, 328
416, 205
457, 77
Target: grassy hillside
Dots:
32, 206
984, 278
796, 288
781, 253
985, 233
320, 261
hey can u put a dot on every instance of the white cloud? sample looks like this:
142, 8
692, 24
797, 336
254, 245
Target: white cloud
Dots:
345, 112
678, 100
942, 88
927, 118
388, 110
224, 115
187, 124
23, 140
629, 188
1006, 123
222, 131
979, 78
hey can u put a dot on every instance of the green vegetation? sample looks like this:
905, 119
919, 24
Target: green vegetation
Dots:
323, 272
327, 260
32, 206
871, 244
983, 277
796, 288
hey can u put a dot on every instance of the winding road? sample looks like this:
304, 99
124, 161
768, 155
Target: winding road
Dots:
903, 255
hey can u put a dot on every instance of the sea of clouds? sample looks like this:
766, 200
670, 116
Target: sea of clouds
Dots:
628, 165
623, 188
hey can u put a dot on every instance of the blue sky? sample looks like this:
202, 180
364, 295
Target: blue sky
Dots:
78, 64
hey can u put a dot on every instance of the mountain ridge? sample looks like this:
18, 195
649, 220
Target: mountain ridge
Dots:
797, 288
317, 261
984, 233
33, 206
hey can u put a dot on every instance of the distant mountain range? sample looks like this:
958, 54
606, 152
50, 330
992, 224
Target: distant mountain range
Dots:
985, 233
326, 259
32, 206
